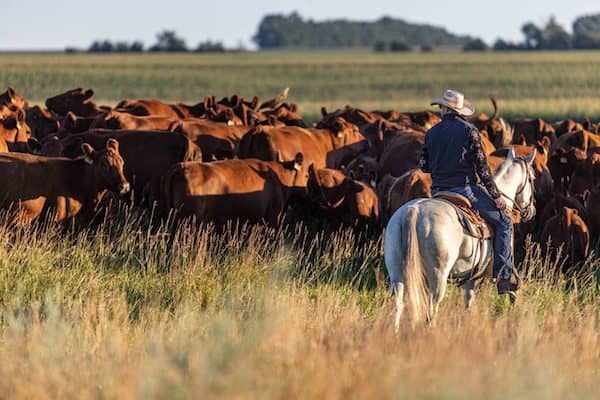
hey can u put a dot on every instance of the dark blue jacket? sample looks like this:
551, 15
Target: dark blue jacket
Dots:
448, 145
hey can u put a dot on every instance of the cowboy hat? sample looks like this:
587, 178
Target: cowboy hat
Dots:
455, 101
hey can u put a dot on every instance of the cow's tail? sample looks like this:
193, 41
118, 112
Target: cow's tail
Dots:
496, 109
405, 265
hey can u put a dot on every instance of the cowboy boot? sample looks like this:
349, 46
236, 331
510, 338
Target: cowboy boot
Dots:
509, 285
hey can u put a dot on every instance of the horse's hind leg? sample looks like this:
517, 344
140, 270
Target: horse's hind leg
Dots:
437, 287
469, 294
398, 293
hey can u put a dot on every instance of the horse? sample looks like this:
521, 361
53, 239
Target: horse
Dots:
425, 243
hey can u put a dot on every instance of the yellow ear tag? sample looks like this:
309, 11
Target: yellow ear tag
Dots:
340, 135
230, 123
563, 160
88, 160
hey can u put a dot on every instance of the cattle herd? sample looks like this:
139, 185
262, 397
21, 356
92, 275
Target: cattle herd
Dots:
233, 159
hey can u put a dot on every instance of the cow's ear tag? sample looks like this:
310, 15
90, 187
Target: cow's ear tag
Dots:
230, 123
88, 160
563, 160
340, 135
297, 166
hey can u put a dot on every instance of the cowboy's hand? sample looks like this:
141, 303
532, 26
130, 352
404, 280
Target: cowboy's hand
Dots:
500, 203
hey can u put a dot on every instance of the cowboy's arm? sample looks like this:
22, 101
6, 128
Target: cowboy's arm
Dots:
424, 160
482, 167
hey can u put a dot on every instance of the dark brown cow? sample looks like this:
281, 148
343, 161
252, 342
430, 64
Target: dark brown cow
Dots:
401, 152
586, 175
562, 164
333, 147
394, 192
217, 141
123, 120
559, 201
71, 124
41, 121
12, 98
533, 130
246, 190
147, 154
286, 113
566, 126
71, 189
353, 115
592, 207
363, 168
569, 231
344, 199
77, 101
583, 140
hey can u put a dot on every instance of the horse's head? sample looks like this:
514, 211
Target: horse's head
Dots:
516, 178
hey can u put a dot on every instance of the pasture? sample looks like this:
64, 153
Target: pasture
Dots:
126, 311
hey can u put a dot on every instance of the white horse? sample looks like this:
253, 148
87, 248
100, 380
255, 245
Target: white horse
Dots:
425, 243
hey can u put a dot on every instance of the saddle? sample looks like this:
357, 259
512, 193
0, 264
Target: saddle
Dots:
473, 224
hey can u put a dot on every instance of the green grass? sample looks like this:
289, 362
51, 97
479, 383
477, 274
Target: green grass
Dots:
551, 85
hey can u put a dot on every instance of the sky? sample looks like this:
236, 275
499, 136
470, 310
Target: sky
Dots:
54, 24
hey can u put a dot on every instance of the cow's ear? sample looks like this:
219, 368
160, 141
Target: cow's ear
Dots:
294, 107
88, 153
324, 111
298, 161
112, 144
254, 103
88, 95
586, 196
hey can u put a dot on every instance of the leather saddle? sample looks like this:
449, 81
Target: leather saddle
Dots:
473, 224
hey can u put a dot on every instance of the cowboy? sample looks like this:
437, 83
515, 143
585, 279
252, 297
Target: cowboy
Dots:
454, 156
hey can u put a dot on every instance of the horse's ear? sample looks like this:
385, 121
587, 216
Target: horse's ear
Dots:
511, 153
531, 157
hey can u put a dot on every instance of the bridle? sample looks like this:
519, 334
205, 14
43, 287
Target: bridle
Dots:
527, 181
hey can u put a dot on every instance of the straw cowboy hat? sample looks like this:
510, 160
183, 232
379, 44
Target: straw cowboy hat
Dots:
455, 101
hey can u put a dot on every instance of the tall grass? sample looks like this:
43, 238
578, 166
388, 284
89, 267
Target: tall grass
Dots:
123, 311
550, 85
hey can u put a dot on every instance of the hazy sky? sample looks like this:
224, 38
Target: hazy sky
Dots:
54, 24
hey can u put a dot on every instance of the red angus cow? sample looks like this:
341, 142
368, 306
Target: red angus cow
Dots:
123, 120
71, 188
569, 231
77, 101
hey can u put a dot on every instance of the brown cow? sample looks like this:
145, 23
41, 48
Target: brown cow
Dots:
592, 207
41, 121
559, 201
71, 124
394, 192
147, 154
12, 98
583, 140
569, 231
72, 189
77, 101
122, 120
566, 126
401, 152
217, 141
286, 113
344, 199
562, 164
14, 129
363, 168
532, 130
246, 190
332, 147
586, 175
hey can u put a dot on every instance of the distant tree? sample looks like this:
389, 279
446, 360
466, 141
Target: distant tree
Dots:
426, 48
380, 46
210, 47
72, 50
475, 45
168, 41
501, 45
533, 35
555, 37
101, 46
399, 45
136, 47
121, 47
586, 32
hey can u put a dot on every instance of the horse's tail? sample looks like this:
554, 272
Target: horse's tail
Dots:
406, 262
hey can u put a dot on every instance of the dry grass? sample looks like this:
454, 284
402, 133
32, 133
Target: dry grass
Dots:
263, 313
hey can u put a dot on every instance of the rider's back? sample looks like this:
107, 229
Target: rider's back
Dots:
447, 146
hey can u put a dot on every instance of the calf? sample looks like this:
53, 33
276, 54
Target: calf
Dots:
244, 190
569, 231
71, 189
343, 199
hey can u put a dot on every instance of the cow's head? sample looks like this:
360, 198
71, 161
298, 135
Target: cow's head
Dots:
41, 122
297, 170
107, 165
363, 168
13, 124
71, 100
12, 98
329, 187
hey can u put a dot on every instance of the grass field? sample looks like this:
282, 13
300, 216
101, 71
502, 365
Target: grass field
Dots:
551, 85
123, 312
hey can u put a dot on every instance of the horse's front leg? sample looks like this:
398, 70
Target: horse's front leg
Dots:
469, 294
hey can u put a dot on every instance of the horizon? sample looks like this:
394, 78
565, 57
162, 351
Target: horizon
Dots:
62, 24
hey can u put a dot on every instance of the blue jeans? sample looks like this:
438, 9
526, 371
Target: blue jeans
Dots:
482, 202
